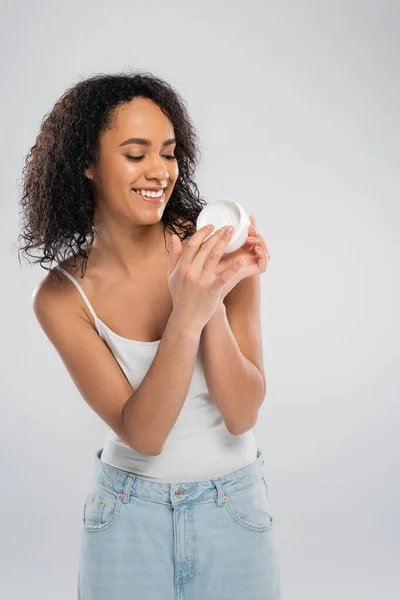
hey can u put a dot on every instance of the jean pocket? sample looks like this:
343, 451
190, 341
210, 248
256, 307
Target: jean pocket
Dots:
250, 506
101, 509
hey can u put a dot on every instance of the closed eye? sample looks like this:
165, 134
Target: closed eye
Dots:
169, 157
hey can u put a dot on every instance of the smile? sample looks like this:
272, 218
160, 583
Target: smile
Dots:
159, 200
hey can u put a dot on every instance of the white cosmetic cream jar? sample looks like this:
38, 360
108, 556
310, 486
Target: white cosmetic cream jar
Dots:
226, 212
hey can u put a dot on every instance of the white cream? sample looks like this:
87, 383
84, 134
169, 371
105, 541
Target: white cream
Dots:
226, 212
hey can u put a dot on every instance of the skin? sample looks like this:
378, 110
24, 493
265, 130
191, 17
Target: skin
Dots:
130, 230
127, 285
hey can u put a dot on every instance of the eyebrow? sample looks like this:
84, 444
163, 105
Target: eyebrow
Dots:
144, 142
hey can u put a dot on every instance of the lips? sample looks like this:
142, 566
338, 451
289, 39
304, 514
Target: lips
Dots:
159, 200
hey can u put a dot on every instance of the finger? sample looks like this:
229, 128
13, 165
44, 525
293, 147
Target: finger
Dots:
264, 247
210, 251
262, 258
192, 245
255, 238
259, 241
226, 279
252, 226
175, 252
251, 239
242, 271
214, 256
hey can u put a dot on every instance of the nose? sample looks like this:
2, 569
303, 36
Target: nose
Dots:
157, 170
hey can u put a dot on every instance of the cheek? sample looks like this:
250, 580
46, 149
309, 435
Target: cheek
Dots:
129, 166
118, 172
173, 172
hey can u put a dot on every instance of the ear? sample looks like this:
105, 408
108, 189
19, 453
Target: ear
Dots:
88, 174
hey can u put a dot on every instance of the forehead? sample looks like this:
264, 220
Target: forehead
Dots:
140, 118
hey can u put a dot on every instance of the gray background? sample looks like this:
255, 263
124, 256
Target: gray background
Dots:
297, 108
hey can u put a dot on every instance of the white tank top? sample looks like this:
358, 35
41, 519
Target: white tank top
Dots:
199, 446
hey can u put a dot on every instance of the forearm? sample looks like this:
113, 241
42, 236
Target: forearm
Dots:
152, 410
235, 383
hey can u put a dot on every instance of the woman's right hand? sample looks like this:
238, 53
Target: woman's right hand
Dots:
196, 291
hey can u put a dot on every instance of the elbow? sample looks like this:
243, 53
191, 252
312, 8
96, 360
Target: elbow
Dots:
155, 451
141, 446
243, 423
145, 447
146, 450
137, 439
152, 452
241, 427
239, 430
247, 422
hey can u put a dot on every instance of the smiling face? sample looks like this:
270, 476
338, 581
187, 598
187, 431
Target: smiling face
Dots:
127, 164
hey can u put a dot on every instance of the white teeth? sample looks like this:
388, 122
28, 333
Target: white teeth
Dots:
150, 194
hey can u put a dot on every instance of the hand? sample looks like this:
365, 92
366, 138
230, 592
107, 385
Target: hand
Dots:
254, 252
196, 289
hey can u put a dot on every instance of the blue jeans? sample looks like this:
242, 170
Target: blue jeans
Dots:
208, 540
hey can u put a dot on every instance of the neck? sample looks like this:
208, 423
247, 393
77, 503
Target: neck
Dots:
133, 248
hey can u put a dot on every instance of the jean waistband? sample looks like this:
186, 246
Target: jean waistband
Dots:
128, 484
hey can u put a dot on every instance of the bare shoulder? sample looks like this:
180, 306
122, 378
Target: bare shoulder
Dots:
89, 361
56, 292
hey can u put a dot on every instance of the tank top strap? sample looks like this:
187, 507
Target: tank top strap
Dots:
80, 290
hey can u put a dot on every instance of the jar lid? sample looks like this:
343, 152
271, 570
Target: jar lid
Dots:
226, 212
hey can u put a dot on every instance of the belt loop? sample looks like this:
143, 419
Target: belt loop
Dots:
127, 487
220, 495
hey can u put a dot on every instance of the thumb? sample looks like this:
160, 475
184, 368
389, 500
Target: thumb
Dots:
176, 251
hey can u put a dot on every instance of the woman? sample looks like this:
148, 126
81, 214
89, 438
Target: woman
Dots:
160, 334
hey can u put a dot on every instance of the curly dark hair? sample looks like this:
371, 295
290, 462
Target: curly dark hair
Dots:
57, 198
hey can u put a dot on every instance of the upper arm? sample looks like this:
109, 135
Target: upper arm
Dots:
89, 361
243, 311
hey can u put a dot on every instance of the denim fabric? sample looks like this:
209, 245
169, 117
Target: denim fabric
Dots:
207, 540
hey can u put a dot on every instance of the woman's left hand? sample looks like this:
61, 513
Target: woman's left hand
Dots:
254, 252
